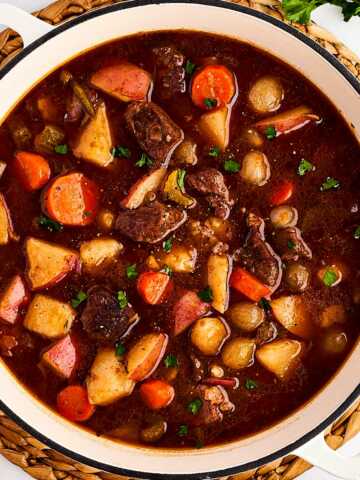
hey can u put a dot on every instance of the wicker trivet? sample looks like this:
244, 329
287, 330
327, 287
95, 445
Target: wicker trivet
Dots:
36, 458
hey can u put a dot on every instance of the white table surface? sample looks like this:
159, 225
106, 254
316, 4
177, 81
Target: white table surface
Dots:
330, 18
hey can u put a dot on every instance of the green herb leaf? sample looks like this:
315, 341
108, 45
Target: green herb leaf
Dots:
214, 152
300, 10
49, 224
210, 102
181, 179
357, 233
87, 213
189, 67
120, 349
121, 151
131, 271
270, 132
194, 406
206, 295
250, 384
61, 149
122, 299
330, 184
304, 167
231, 166
168, 270
265, 305
183, 430
167, 245
290, 244
144, 160
170, 361
329, 278
80, 297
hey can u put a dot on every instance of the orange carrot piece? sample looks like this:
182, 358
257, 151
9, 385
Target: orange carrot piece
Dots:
72, 199
157, 394
289, 121
282, 194
154, 287
13, 298
213, 84
248, 285
32, 170
73, 403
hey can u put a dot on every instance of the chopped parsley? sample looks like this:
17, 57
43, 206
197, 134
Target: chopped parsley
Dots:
167, 245
210, 102
122, 299
357, 233
330, 183
170, 361
290, 244
61, 149
168, 270
79, 298
121, 151
265, 304
304, 167
270, 132
214, 152
183, 431
231, 166
181, 179
131, 271
194, 406
144, 161
250, 384
49, 224
189, 67
206, 295
120, 349
330, 277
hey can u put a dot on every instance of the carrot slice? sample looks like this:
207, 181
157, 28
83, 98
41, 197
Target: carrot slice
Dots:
287, 122
157, 394
32, 170
248, 285
154, 287
213, 86
72, 199
282, 194
73, 403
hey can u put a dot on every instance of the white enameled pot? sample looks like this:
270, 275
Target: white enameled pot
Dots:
302, 432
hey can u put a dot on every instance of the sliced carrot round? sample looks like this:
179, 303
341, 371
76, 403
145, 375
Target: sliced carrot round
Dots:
282, 194
32, 170
157, 394
73, 403
72, 199
213, 86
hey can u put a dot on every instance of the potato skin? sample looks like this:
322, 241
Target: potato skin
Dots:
239, 353
209, 335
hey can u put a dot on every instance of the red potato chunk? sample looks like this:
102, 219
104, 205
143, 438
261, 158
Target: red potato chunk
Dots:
62, 357
12, 299
289, 121
48, 263
6, 227
187, 310
292, 313
281, 357
144, 357
145, 185
124, 81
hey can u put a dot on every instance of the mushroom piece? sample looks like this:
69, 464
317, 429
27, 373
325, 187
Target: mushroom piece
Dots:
297, 277
255, 168
284, 216
266, 95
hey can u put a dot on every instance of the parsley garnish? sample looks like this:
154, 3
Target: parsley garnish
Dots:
80, 297
170, 361
194, 406
120, 151
304, 167
144, 160
214, 152
329, 278
357, 233
181, 179
290, 244
206, 295
122, 299
300, 10
166, 269
167, 245
270, 132
120, 349
183, 431
250, 384
61, 149
210, 102
231, 166
330, 184
49, 224
265, 304
131, 272
189, 67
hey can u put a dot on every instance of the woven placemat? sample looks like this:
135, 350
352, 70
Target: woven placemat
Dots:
43, 463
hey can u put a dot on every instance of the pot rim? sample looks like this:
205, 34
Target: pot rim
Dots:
347, 75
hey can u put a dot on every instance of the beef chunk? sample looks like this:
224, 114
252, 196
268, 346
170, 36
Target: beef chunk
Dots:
170, 72
257, 255
215, 402
154, 130
291, 245
210, 183
150, 223
103, 319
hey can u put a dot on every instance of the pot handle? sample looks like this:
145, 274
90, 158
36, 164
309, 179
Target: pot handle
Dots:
26, 25
318, 453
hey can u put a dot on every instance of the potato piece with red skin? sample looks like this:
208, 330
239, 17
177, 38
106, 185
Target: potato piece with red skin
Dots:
144, 357
281, 357
7, 232
61, 357
154, 287
14, 296
187, 310
125, 81
145, 185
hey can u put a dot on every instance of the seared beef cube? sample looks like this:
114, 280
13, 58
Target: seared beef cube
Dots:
215, 402
291, 245
170, 72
